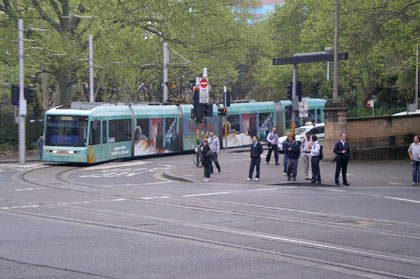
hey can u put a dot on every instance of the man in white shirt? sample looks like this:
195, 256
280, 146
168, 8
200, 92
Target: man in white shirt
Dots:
414, 153
315, 150
273, 141
306, 155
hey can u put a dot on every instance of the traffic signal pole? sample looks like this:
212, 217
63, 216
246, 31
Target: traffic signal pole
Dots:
22, 101
294, 99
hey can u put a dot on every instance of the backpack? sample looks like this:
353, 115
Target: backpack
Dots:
321, 154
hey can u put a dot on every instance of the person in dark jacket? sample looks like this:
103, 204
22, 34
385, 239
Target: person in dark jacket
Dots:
342, 151
285, 146
207, 159
293, 153
255, 153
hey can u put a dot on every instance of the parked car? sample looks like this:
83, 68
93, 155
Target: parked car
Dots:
300, 133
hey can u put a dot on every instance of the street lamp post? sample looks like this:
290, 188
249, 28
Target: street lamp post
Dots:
22, 101
416, 97
335, 93
91, 95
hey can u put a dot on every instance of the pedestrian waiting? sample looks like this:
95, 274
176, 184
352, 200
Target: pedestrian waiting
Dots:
255, 154
414, 153
206, 159
273, 141
342, 151
293, 153
40, 143
285, 147
306, 155
315, 151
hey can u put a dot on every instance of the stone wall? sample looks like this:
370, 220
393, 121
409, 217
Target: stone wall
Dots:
382, 137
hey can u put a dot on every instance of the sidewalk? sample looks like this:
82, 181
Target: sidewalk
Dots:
13, 157
235, 167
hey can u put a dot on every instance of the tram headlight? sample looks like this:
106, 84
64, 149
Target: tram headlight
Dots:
71, 152
54, 151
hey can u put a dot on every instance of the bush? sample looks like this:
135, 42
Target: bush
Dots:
9, 137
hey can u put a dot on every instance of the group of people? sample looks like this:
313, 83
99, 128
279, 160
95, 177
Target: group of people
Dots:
310, 150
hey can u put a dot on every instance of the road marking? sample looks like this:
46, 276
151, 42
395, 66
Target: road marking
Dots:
333, 190
151, 198
396, 183
19, 207
401, 199
28, 189
225, 193
113, 165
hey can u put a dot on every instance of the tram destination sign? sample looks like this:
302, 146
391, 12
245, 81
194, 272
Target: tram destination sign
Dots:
309, 59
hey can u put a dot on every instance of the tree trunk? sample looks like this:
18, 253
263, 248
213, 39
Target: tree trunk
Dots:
66, 90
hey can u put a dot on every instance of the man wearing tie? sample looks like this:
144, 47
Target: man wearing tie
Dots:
273, 141
342, 150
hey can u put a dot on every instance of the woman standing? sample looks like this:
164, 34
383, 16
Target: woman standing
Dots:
206, 158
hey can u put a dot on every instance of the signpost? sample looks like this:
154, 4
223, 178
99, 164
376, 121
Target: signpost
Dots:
371, 104
204, 90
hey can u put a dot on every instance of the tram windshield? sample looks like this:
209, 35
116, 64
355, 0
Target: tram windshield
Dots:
66, 130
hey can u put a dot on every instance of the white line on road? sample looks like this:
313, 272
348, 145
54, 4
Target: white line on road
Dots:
151, 198
225, 193
333, 190
401, 199
114, 166
28, 189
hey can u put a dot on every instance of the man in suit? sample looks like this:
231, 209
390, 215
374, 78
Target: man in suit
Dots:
285, 147
256, 151
293, 153
273, 141
342, 150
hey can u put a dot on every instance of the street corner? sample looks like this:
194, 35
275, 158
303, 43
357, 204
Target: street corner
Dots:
119, 173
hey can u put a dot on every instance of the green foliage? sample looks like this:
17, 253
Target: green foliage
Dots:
9, 135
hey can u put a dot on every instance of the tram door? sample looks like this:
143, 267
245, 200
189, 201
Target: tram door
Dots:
97, 151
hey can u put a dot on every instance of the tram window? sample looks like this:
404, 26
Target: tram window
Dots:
318, 116
104, 137
66, 130
143, 123
288, 114
265, 124
95, 133
235, 126
119, 130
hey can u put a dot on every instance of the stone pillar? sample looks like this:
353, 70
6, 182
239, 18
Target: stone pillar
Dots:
335, 123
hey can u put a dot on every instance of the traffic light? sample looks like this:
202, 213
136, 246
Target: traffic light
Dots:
299, 91
29, 94
208, 110
198, 109
15, 95
226, 99
290, 91
221, 111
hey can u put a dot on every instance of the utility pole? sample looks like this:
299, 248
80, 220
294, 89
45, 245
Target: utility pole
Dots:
91, 94
165, 72
335, 93
416, 98
22, 101
294, 104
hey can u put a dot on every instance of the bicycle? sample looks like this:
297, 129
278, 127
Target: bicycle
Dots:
198, 156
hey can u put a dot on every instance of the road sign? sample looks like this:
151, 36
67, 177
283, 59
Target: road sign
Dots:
309, 59
303, 109
370, 103
204, 90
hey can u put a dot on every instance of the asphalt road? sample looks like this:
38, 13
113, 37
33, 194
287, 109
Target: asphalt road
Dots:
126, 220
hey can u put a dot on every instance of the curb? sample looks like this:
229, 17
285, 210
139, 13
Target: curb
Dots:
171, 176
17, 161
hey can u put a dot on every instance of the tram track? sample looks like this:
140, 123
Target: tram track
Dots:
338, 221
260, 236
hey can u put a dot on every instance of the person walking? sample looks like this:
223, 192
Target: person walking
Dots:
206, 159
285, 147
214, 145
414, 153
315, 150
255, 154
40, 143
306, 155
273, 141
293, 153
342, 150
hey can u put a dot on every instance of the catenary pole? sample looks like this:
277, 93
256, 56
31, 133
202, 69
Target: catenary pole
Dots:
335, 93
22, 101
165, 72
91, 94
416, 98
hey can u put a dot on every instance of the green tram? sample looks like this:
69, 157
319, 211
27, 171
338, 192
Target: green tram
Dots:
94, 133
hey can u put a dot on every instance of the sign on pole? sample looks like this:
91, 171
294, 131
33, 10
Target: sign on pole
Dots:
303, 109
204, 90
